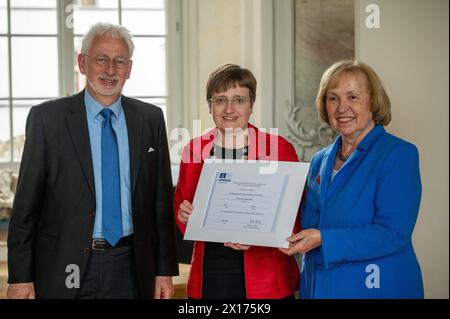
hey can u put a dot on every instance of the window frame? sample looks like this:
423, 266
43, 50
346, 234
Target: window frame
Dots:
12, 164
66, 76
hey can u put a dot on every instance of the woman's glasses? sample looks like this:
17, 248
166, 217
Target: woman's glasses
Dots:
223, 101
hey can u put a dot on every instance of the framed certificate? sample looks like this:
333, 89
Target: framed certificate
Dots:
247, 202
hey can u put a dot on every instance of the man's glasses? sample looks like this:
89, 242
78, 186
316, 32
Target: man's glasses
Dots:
103, 61
223, 101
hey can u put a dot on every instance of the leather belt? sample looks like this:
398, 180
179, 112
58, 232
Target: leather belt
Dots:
102, 244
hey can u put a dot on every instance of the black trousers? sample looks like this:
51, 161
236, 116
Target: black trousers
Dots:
110, 274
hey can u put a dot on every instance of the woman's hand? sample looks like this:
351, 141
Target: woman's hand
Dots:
184, 212
303, 242
237, 246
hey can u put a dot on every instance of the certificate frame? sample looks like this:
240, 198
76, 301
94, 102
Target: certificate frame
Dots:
295, 173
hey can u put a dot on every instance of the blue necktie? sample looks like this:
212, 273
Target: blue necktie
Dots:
111, 209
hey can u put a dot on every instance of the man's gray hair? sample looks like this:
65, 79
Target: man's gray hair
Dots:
109, 30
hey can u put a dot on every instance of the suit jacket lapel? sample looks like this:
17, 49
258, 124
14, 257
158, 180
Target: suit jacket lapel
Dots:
326, 169
354, 161
77, 123
135, 129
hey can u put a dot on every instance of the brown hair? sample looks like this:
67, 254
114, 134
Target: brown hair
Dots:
380, 105
230, 76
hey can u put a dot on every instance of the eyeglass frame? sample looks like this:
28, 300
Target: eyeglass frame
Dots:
228, 101
108, 61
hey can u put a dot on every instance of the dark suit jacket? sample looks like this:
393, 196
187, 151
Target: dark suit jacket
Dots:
54, 207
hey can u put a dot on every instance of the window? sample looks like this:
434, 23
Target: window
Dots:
147, 22
39, 44
29, 75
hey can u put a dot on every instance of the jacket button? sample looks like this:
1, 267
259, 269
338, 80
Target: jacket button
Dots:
319, 267
318, 210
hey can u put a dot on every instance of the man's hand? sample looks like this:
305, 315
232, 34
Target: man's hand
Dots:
21, 291
164, 287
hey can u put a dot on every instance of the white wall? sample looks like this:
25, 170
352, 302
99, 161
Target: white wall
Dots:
227, 31
212, 38
410, 53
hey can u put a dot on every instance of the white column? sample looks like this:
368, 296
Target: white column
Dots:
257, 54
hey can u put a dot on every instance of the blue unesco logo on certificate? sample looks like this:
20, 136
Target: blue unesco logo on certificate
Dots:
224, 177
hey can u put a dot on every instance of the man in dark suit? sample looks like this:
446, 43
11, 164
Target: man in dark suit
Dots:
92, 216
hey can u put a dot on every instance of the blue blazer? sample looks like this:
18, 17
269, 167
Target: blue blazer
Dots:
366, 216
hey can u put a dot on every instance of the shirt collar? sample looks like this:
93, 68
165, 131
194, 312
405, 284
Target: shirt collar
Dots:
93, 108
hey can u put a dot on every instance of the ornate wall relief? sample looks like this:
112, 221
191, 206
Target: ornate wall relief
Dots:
324, 34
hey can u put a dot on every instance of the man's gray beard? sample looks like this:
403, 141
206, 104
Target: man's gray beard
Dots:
103, 91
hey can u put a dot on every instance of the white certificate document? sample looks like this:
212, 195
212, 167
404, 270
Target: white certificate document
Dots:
244, 201
247, 202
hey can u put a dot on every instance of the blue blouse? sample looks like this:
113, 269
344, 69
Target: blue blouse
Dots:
366, 215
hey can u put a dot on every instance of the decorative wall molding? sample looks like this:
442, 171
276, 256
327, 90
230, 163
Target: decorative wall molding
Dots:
306, 43
304, 137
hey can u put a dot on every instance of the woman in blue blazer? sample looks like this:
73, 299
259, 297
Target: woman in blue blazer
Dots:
362, 197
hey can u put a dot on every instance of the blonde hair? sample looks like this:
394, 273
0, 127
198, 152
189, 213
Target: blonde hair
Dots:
380, 105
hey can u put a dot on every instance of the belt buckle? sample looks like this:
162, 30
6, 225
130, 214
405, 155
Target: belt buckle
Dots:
95, 241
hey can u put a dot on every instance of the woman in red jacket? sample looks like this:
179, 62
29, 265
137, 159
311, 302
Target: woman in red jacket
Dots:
233, 270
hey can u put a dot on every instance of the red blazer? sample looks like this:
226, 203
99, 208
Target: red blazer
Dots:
269, 274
